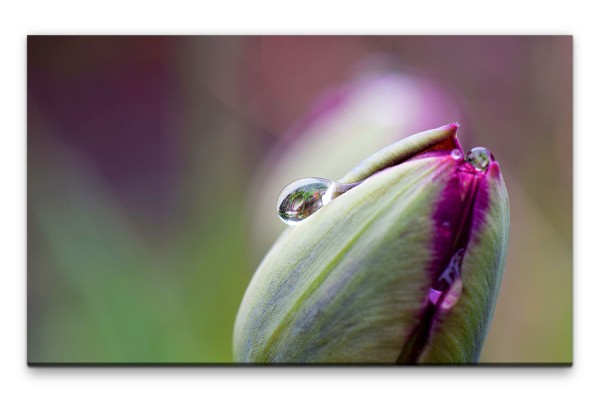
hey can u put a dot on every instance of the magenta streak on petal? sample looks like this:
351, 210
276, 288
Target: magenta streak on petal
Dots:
469, 180
482, 201
445, 219
461, 209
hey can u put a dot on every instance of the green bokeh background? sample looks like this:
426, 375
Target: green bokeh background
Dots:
154, 164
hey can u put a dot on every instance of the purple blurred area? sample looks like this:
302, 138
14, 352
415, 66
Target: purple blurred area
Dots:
110, 99
175, 136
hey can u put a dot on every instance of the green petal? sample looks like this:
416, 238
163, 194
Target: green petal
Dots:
349, 283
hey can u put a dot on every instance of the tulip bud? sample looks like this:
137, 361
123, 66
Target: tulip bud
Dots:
399, 262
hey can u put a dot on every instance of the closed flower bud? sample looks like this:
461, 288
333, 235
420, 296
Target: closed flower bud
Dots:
399, 262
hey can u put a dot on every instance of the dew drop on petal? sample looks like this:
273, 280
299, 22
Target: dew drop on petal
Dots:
448, 286
479, 158
304, 197
456, 154
452, 295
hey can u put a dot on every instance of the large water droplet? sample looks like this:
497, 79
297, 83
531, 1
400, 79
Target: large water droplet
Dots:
302, 198
479, 158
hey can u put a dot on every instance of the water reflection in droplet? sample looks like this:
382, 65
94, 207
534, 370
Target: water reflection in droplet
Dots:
303, 197
479, 158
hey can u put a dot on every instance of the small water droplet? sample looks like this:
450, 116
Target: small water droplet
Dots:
452, 295
452, 271
479, 158
448, 286
456, 154
303, 197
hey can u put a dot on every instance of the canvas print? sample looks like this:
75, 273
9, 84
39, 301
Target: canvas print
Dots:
300, 200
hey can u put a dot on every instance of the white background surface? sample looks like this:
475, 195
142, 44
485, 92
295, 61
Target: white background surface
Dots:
17, 381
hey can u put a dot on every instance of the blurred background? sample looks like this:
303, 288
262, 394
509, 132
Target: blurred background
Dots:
154, 164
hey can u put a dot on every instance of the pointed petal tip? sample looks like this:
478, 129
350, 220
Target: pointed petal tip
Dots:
451, 129
453, 126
